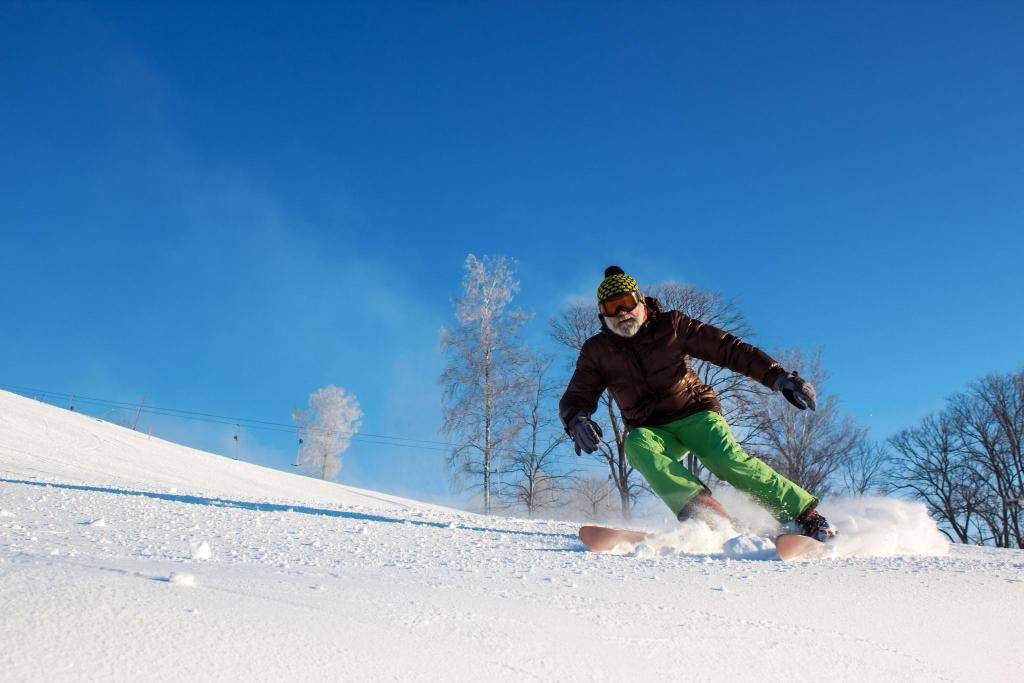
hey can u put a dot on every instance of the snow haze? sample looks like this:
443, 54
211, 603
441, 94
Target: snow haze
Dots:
124, 558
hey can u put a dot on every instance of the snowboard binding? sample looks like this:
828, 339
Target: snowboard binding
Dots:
814, 525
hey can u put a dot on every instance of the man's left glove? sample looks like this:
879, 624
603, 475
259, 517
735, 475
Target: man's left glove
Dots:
586, 434
797, 391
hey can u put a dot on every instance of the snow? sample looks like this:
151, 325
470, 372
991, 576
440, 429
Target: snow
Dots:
182, 579
201, 550
208, 568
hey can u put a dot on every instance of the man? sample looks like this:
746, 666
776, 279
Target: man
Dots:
642, 356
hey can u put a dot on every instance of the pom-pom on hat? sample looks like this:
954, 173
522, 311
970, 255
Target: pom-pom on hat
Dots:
615, 282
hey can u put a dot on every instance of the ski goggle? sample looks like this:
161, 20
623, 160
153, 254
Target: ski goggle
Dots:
617, 304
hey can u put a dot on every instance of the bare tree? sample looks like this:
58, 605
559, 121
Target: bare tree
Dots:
808, 447
483, 378
933, 470
990, 417
575, 324
592, 496
966, 463
866, 471
532, 477
325, 429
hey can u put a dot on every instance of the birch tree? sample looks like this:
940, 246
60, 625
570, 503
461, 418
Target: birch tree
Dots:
482, 380
325, 429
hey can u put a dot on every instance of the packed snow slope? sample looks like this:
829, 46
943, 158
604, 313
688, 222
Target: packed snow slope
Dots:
129, 558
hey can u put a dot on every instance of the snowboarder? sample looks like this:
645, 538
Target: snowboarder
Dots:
642, 356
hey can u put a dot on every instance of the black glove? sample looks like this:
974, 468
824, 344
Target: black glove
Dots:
586, 434
797, 391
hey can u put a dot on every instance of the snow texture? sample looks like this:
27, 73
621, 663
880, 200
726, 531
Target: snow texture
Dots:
182, 579
201, 550
212, 569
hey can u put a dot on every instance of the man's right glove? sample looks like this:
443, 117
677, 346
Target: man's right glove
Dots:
586, 434
797, 391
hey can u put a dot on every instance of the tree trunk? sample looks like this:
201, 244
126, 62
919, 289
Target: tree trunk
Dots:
487, 433
617, 464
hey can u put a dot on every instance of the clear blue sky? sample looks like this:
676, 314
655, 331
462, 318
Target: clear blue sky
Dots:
220, 207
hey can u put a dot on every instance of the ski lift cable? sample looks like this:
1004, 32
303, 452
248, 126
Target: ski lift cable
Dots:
251, 423
265, 425
365, 439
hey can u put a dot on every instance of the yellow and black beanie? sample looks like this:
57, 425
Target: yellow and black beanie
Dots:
615, 282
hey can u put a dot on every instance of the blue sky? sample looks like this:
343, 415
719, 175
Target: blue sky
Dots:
222, 208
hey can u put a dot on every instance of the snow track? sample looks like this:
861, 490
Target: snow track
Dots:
311, 581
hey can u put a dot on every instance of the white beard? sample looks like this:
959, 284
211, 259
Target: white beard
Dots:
625, 328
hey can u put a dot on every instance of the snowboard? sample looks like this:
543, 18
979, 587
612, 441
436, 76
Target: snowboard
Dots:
602, 539
791, 547
795, 547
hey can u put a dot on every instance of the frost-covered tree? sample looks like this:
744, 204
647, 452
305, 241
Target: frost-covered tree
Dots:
325, 428
483, 380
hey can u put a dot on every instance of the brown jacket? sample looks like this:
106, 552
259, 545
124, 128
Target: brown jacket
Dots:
649, 374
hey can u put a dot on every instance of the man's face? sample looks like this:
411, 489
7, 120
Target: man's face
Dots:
627, 323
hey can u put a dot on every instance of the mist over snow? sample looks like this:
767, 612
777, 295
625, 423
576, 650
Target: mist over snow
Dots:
124, 557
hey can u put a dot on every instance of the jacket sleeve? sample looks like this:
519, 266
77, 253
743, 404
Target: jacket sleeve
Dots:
717, 346
584, 389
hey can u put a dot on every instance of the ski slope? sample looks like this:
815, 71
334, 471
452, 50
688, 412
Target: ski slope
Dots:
128, 558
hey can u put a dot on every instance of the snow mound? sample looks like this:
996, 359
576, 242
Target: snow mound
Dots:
427, 593
749, 547
40, 442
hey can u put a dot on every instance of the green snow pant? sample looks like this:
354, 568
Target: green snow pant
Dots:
656, 453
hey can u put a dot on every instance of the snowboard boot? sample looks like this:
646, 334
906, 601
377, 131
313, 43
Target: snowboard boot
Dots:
814, 525
704, 507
